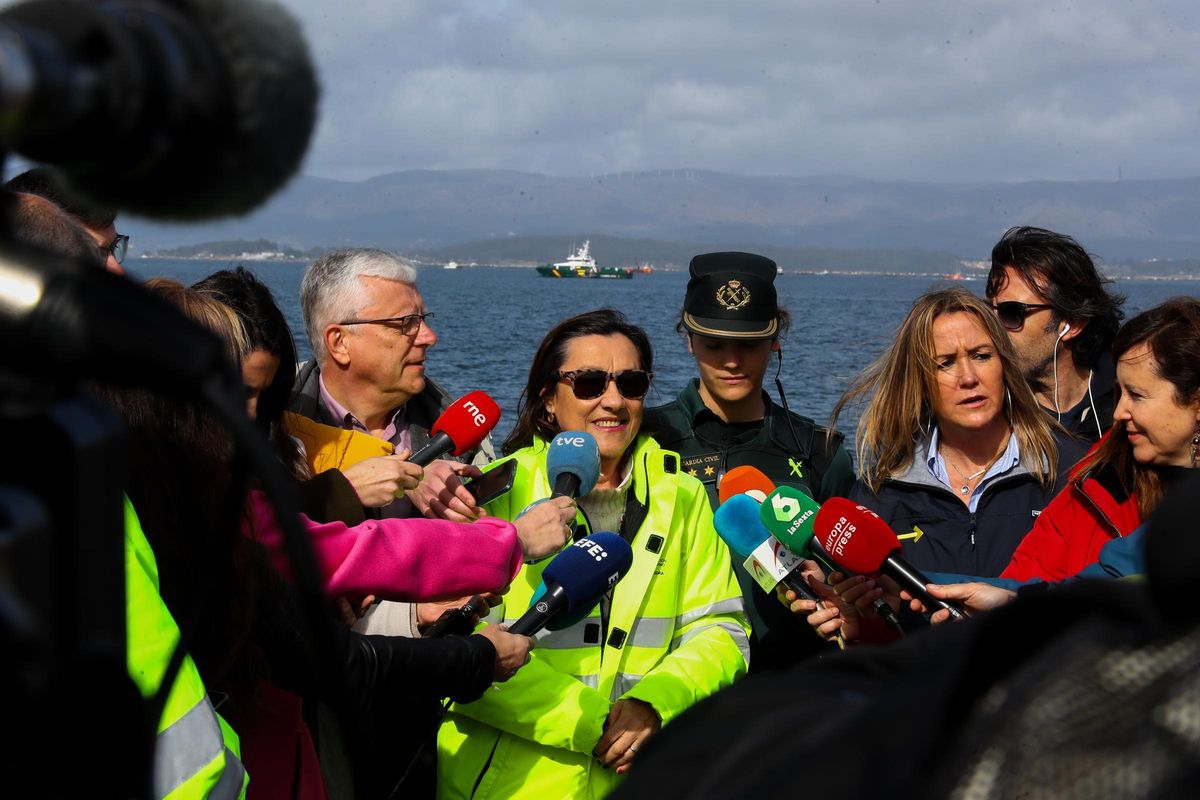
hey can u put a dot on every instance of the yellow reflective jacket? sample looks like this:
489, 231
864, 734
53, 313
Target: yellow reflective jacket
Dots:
675, 633
196, 754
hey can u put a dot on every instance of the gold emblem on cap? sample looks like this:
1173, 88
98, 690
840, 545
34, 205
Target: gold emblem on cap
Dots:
732, 295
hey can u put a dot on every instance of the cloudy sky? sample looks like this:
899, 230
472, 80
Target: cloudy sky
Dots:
944, 90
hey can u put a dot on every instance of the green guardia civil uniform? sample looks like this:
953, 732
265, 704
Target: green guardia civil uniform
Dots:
810, 460
671, 633
196, 753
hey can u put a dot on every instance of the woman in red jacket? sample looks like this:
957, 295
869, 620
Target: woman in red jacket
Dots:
1154, 440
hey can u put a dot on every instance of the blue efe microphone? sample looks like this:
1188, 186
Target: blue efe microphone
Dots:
576, 579
563, 620
573, 464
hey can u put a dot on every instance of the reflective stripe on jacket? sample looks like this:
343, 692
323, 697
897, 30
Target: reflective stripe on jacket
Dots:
675, 633
196, 754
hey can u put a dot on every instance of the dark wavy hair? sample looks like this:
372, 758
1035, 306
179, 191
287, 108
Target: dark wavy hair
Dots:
532, 420
1063, 273
1171, 330
266, 329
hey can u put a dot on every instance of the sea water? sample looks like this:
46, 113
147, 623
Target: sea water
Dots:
489, 321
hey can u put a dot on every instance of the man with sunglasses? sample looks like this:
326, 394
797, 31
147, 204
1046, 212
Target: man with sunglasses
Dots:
1061, 319
100, 225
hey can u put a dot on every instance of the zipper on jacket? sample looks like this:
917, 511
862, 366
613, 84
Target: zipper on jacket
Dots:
971, 530
486, 765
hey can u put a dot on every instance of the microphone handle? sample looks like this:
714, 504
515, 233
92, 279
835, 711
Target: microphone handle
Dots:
458, 621
795, 581
567, 484
438, 446
910, 578
541, 612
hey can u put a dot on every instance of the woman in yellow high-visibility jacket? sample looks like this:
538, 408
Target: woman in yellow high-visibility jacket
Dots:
669, 634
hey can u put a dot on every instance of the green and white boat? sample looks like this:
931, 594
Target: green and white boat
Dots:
581, 265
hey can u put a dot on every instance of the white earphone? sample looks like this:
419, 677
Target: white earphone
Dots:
1065, 329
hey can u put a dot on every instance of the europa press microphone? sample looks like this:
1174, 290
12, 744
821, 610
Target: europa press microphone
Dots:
790, 515
576, 579
859, 541
461, 427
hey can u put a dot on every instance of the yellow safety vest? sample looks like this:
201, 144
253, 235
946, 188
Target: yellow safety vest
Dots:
676, 634
196, 753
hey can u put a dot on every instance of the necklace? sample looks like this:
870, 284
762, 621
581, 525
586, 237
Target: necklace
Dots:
966, 487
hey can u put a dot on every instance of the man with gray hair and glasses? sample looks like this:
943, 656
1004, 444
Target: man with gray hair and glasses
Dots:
370, 332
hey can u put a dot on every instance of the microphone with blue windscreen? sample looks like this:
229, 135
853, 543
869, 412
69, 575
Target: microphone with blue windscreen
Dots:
573, 464
563, 620
576, 580
767, 561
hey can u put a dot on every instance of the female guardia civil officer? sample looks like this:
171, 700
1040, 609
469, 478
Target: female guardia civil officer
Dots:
668, 635
733, 324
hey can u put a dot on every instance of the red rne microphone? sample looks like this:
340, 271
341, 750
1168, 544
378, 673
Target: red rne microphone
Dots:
460, 428
858, 540
745, 480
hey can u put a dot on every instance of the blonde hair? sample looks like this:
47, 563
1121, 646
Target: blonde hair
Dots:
902, 383
207, 311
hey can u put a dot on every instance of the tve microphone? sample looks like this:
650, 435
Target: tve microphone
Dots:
577, 578
858, 539
573, 464
766, 560
172, 109
744, 480
460, 428
789, 514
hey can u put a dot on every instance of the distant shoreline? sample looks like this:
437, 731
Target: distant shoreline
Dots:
816, 273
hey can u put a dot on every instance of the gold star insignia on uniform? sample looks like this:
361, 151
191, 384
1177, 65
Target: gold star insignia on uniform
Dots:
709, 470
692, 472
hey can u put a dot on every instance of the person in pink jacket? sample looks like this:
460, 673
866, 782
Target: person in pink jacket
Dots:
416, 559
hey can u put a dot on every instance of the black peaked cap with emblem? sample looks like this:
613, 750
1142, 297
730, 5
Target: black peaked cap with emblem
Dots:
731, 296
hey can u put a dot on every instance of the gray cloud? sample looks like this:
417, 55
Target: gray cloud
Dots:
912, 89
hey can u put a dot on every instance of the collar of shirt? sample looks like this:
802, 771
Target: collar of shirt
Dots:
937, 466
396, 431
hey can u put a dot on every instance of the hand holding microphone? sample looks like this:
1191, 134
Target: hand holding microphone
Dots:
545, 527
461, 427
572, 468
790, 515
576, 579
858, 540
377, 481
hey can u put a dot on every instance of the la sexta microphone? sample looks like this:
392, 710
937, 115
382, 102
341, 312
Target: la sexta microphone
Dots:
790, 515
461, 427
767, 560
859, 541
576, 579
573, 464
173, 109
744, 480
